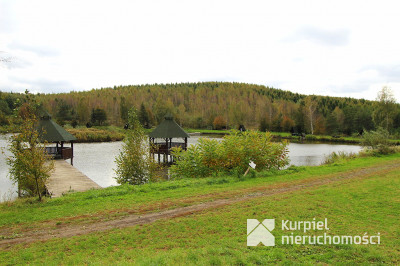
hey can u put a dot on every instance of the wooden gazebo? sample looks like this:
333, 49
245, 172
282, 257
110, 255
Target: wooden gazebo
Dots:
161, 138
51, 132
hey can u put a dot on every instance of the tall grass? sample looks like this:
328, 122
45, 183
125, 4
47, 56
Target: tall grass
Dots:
96, 135
338, 157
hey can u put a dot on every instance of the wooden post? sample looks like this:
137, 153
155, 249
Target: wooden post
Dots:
166, 152
62, 147
247, 171
185, 148
72, 150
170, 146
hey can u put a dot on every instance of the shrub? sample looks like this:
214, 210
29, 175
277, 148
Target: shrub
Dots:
134, 163
378, 141
338, 157
230, 155
311, 137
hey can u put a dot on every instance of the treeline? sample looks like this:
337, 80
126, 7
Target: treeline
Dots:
214, 105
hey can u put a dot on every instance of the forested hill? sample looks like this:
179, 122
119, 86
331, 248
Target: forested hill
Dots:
211, 105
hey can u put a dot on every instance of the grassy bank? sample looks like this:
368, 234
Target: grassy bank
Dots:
8, 129
368, 203
288, 136
98, 134
113, 133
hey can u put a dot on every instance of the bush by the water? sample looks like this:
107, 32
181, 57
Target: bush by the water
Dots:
231, 155
378, 141
95, 135
134, 163
339, 157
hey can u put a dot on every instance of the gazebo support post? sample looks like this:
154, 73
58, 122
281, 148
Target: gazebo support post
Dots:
62, 147
72, 150
166, 152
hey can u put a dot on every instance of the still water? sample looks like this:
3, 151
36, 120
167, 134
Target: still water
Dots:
96, 160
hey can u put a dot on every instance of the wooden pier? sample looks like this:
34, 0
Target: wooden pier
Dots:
66, 178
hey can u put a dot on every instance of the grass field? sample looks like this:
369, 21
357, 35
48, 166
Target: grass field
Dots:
362, 196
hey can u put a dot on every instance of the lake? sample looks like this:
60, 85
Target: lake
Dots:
96, 160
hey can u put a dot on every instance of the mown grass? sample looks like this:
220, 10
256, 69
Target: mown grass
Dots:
218, 236
126, 199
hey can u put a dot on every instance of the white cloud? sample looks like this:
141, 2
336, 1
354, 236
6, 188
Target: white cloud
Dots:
341, 48
41, 51
331, 37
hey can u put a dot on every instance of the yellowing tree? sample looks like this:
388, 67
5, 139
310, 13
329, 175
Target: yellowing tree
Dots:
219, 122
30, 166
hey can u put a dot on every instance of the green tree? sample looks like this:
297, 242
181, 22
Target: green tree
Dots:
385, 110
277, 123
3, 119
378, 141
338, 114
331, 124
83, 111
123, 109
64, 112
135, 166
30, 166
5, 108
263, 126
98, 116
144, 117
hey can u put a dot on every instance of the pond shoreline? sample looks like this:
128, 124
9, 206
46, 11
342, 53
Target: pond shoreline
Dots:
97, 159
112, 134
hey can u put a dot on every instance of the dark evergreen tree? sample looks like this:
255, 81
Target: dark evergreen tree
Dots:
331, 124
144, 117
277, 123
123, 109
263, 124
64, 112
98, 116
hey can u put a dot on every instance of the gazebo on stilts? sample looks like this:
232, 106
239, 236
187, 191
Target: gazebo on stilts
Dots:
161, 139
51, 132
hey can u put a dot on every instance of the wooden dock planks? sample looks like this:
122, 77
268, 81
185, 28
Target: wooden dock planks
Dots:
66, 178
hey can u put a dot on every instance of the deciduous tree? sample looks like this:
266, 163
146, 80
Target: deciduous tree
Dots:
30, 166
135, 166
385, 109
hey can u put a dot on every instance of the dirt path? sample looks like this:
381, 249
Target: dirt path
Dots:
131, 220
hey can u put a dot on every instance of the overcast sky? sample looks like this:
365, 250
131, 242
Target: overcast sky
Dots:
337, 48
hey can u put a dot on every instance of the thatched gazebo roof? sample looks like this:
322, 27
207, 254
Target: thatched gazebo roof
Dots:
168, 129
